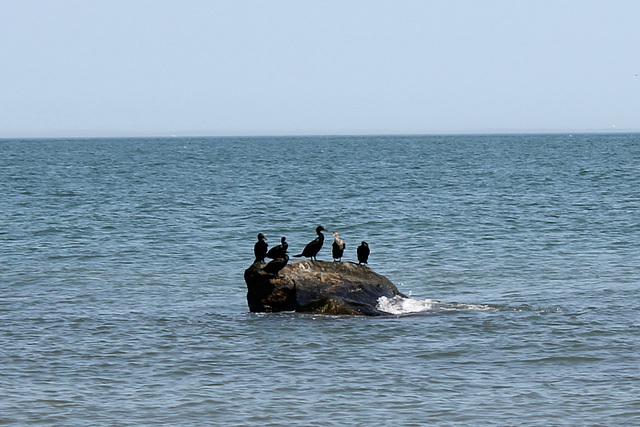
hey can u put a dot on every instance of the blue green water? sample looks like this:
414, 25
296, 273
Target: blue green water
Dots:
122, 300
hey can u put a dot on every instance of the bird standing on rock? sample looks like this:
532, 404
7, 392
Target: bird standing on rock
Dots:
313, 247
274, 267
363, 253
337, 247
279, 251
260, 248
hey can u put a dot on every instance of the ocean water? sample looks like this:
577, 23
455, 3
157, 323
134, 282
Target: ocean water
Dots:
122, 299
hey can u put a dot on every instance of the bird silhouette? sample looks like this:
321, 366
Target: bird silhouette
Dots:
314, 246
260, 248
280, 250
338, 246
274, 267
363, 253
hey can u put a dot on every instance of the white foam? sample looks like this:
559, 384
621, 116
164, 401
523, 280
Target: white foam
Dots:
400, 305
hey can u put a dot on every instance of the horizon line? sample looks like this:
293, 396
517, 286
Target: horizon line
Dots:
196, 134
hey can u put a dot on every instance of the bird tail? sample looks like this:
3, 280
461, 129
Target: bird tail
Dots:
298, 256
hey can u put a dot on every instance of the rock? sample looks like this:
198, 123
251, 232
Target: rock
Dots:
318, 287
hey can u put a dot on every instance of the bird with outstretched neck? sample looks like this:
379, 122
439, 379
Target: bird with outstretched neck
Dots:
337, 249
260, 248
314, 246
363, 253
279, 251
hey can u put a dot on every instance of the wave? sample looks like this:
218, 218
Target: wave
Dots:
400, 305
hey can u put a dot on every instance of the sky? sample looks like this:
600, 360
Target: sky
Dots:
297, 67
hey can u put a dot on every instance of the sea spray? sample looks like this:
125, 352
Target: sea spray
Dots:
399, 305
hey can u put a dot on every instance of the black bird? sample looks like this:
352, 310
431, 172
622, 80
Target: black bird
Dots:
280, 250
338, 246
363, 253
314, 246
260, 248
274, 267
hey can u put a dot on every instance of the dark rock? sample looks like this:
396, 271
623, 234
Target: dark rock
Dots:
318, 287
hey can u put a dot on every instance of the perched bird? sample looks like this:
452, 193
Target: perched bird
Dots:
274, 267
338, 246
314, 246
260, 248
363, 253
279, 251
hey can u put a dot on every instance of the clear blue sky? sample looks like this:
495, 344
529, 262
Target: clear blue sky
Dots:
236, 67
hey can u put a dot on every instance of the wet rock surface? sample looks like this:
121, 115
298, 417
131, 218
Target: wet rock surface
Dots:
318, 287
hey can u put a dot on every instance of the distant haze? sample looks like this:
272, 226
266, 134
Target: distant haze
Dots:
203, 67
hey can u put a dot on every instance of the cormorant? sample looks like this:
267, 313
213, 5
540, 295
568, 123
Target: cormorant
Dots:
260, 248
337, 247
274, 267
313, 247
363, 253
278, 251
